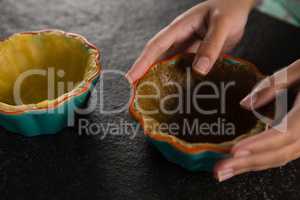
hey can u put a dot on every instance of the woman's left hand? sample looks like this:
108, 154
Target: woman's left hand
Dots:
274, 147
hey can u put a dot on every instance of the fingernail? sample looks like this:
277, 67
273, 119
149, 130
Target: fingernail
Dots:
202, 65
249, 101
242, 153
225, 174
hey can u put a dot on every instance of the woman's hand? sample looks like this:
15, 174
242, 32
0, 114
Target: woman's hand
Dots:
274, 147
207, 29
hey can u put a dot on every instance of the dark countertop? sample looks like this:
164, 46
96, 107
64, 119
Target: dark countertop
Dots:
69, 166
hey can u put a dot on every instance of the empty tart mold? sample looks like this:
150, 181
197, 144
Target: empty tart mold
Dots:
44, 76
194, 120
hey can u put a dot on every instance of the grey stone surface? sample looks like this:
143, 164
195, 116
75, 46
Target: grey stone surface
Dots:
69, 166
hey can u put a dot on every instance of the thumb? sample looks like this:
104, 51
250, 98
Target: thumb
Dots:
210, 49
271, 86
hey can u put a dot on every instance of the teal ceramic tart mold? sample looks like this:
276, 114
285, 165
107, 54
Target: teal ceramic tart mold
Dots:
167, 114
44, 76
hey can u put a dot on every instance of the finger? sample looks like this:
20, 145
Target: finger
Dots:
259, 168
235, 166
285, 155
212, 45
267, 150
282, 134
178, 31
251, 139
190, 46
271, 86
194, 46
268, 140
154, 48
264, 93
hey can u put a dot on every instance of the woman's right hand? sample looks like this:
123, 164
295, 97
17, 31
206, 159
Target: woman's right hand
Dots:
207, 29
